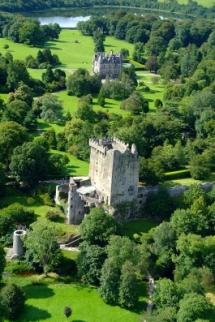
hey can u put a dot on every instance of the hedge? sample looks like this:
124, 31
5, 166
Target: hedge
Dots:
180, 174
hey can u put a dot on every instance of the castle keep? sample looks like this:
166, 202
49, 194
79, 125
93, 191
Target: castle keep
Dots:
107, 64
113, 179
114, 170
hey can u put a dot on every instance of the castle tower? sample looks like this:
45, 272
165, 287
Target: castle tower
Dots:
114, 170
17, 242
75, 211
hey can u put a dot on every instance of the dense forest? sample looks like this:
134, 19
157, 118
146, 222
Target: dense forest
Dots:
192, 8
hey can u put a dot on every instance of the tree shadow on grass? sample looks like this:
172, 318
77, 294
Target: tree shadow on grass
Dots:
109, 45
78, 321
33, 313
80, 287
38, 291
52, 45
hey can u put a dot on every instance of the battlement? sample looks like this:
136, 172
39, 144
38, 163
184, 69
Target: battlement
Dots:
105, 144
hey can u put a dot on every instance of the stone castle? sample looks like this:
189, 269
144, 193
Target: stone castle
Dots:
107, 64
113, 179
112, 184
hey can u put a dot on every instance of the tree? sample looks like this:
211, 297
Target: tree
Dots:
2, 261
31, 34
151, 171
67, 312
23, 93
29, 163
167, 294
109, 282
192, 193
135, 103
51, 107
85, 111
41, 245
194, 306
89, 262
78, 83
12, 134
160, 205
124, 52
16, 111
200, 167
188, 221
12, 299
155, 46
17, 72
152, 64
128, 295
98, 226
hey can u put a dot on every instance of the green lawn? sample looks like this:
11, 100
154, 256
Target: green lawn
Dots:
71, 54
46, 303
137, 227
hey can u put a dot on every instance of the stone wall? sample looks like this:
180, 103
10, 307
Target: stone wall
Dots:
176, 191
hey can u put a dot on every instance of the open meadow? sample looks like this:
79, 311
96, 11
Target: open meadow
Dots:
204, 3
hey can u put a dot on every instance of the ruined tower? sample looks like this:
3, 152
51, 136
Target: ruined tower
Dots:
75, 211
114, 170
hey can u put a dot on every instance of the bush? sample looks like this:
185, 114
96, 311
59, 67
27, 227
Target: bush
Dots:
13, 300
6, 46
30, 201
17, 266
53, 215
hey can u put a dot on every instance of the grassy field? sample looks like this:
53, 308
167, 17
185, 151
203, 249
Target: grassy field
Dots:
204, 3
72, 55
47, 302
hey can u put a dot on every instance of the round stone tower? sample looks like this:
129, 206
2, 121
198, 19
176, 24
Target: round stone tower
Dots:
17, 242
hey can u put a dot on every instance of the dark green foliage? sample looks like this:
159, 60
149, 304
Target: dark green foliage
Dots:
13, 300
29, 163
128, 295
167, 294
41, 245
89, 262
160, 205
109, 282
194, 306
2, 261
98, 226
67, 312
13, 215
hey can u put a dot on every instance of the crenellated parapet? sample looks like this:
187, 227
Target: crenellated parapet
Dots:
105, 144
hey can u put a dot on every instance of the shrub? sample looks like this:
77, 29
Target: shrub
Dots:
13, 300
6, 46
17, 266
30, 201
53, 215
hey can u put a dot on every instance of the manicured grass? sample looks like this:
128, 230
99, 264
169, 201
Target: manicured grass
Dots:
70, 254
189, 181
48, 302
70, 104
137, 227
71, 54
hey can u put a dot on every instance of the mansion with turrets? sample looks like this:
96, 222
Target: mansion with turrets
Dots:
107, 64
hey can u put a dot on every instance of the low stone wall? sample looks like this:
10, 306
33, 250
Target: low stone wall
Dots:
176, 191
